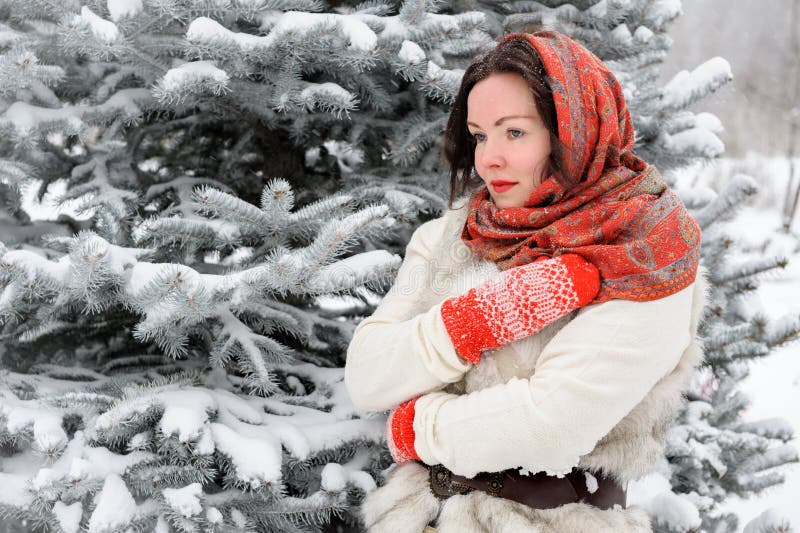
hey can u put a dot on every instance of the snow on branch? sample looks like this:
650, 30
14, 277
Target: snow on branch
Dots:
359, 270
328, 97
28, 120
441, 84
104, 30
332, 240
213, 202
195, 77
738, 189
695, 142
119, 9
773, 428
685, 87
207, 32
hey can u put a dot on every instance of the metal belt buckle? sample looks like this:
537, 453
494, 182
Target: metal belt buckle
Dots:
441, 484
495, 484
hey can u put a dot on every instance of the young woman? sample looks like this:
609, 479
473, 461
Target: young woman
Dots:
538, 336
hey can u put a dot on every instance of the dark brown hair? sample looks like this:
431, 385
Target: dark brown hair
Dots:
514, 55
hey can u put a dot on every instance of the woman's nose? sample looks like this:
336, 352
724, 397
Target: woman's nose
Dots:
492, 154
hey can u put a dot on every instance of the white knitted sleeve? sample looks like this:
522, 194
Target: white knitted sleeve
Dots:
588, 377
399, 352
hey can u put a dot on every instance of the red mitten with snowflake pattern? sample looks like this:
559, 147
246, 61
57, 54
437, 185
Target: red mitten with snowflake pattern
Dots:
400, 433
518, 303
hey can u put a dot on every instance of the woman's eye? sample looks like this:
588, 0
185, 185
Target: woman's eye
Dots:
516, 134
479, 137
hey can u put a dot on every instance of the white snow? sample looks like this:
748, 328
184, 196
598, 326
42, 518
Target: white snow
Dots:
296, 385
256, 460
123, 8
437, 74
708, 121
192, 73
411, 53
360, 35
141, 273
139, 440
185, 411
205, 445
354, 270
204, 30
685, 85
161, 525
348, 157
44, 479
643, 34
333, 478
653, 494
328, 89
105, 30
185, 501
598, 10
14, 490
591, 482
68, 516
79, 469
207, 31
48, 433
676, 510
238, 518
765, 520
8, 35
185, 421
339, 303
25, 117
104, 462
622, 34
662, 11
433, 69
115, 506
129, 101
697, 140
214, 516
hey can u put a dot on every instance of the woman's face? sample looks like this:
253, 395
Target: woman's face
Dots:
512, 144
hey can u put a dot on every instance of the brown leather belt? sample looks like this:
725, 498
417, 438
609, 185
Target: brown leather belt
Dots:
538, 491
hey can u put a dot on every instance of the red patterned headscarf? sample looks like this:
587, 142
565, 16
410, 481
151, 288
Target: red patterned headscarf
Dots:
621, 217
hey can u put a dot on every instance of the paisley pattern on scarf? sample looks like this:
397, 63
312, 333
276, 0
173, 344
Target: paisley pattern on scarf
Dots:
621, 217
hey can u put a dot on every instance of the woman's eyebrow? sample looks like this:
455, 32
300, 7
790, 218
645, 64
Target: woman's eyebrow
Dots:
503, 119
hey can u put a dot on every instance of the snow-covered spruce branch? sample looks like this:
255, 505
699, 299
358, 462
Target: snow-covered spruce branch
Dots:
739, 188
420, 134
197, 432
685, 88
173, 300
749, 269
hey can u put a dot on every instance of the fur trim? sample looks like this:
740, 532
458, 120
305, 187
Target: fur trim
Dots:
632, 448
404, 504
477, 512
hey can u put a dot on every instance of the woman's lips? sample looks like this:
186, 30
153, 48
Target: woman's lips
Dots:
501, 185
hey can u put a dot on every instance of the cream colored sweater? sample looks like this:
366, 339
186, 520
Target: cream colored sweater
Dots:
540, 403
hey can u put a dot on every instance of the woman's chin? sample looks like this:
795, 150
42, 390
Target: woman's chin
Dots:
505, 203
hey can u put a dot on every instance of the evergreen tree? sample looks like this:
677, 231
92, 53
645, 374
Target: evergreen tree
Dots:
711, 454
174, 361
